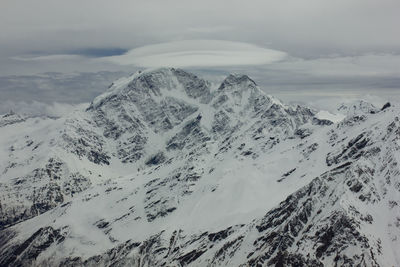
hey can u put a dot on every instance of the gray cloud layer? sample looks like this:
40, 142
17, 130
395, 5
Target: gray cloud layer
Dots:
295, 26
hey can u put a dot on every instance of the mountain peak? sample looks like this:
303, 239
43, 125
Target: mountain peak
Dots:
156, 83
358, 107
235, 80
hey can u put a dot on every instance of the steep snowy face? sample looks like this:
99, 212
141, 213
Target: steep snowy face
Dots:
161, 170
166, 119
162, 99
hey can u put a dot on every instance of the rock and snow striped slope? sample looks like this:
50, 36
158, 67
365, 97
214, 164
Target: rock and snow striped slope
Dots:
162, 170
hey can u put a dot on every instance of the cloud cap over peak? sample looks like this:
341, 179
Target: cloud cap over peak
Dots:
198, 53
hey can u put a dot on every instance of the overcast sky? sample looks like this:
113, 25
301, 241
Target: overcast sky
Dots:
289, 47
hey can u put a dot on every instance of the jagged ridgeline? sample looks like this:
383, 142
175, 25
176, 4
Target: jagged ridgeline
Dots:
165, 170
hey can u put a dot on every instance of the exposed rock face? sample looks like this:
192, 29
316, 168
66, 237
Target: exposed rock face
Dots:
161, 170
56, 183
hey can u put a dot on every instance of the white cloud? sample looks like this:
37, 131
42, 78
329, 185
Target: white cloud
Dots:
198, 53
47, 57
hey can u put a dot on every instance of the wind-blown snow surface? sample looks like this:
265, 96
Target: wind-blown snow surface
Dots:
162, 170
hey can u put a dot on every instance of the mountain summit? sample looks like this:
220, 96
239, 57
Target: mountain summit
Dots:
162, 170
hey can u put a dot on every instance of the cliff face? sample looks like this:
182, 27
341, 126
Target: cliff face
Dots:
163, 170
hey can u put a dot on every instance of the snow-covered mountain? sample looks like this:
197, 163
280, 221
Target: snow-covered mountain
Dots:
163, 170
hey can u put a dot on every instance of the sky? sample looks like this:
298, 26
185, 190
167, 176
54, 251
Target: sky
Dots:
297, 50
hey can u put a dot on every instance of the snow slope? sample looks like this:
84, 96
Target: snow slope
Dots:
162, 170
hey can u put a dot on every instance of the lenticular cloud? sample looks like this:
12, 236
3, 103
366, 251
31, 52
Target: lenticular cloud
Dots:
202, 53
